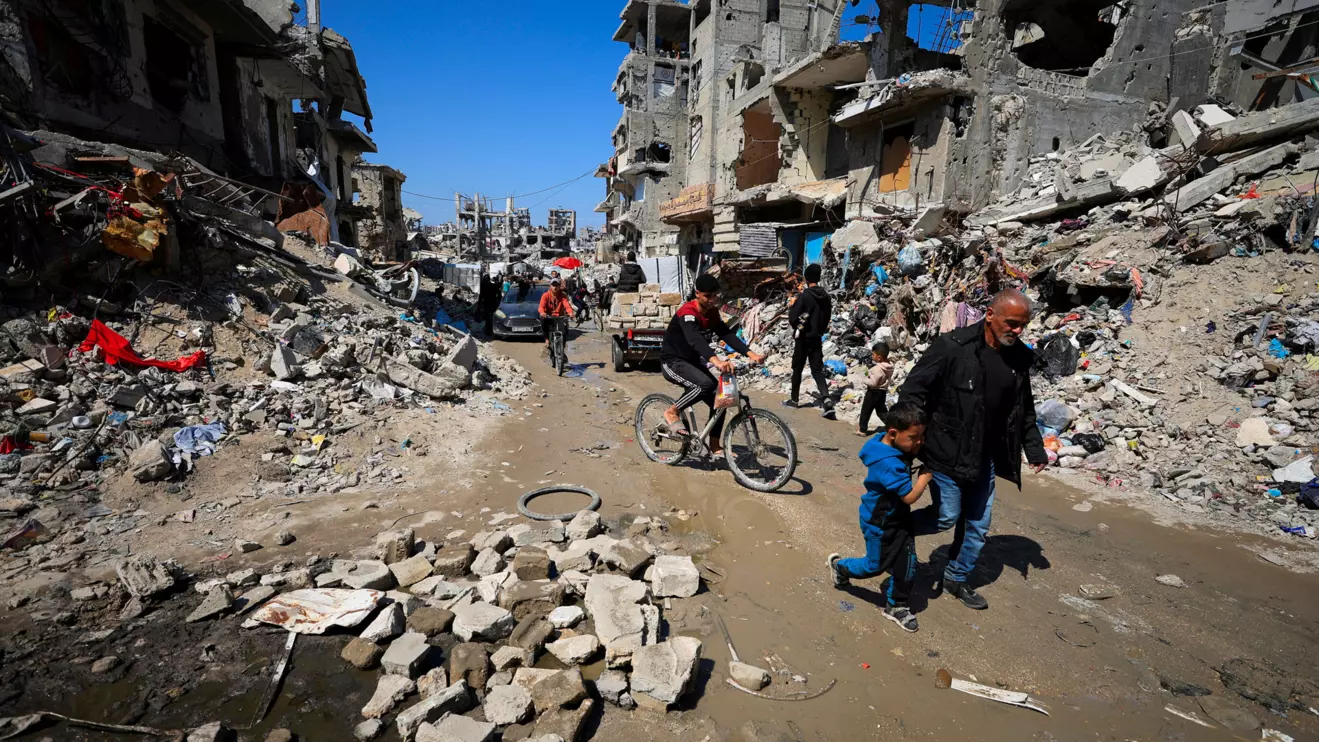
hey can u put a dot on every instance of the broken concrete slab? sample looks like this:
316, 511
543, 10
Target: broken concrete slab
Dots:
410, 571
453, 699
1145, 174
487, 563
470, 662
565, 617
674, 576
453, 563
150, 462
663, 672
390, 689
612, 602
455, 728
284, 364
626, 557
405, 655
532, 598
387, 625
562, 723
1185, 129
574, 650
748, 676
217, 601
364, 575
508, 704
463, 354
584, 525
482, 621
531, 634
142, 576
421, 382
362, 654
430, 621
562, 688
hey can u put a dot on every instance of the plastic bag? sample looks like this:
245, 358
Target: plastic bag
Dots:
1308, 497
1055, 414
1089, 441
865, 318
1057, 357
910, 261
1051, 443
836, 367
728, 395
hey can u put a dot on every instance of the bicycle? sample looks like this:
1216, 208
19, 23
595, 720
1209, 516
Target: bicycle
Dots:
758, 445
558, 341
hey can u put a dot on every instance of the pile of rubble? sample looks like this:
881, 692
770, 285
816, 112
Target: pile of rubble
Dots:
1142, 384
483, 635
254, 334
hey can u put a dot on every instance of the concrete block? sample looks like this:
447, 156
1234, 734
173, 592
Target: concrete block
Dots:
411, 571
482, 622
665, 671
674, 576
453, 699
405, 655
390, 689
650, 288
1145, 174
670, 300
1184, 128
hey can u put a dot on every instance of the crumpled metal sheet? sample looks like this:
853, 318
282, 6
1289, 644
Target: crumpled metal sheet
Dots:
313, 611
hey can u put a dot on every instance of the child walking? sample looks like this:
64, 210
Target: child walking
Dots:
885, 513
877, 382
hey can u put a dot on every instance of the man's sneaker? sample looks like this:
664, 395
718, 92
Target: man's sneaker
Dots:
902, 616
790, 403
964, 592
840, 580
827, 413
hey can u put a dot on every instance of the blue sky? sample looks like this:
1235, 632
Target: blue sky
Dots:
497, 98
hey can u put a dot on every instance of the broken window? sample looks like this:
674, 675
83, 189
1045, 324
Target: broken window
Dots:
895, 158
962, 110
760, 160
696, 133
772, 11
274, 134
81, 45
1060, 37
658, 152
176, 64
752, 76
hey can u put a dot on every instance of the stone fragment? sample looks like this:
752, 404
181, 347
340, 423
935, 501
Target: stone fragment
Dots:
487, 563
526, 677
364, 575
284, 538
463, 353
253, 598
574, 650
1228, 714
212, 732
409, 602
245, 546
612, 686
531, 634
104, 665
217, 601
280, 735
470, 662
455, 728
563, 688
362, 654
481, 621
531, 563
1170, 580
1254, 431
508, 704
453, 563
565, 724
410, 571
663, 672
626, 557
674, 576
584, 525
435, 680
142, 576
284, 364
612, 602
430, 621
396, 545
405, 655
551, 532
368, 730
1145, 174
390, 689
386, 625
748, 676
506, 657
566, 616
535, 598
150, 462
453, 699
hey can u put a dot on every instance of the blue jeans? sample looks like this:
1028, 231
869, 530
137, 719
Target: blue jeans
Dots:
966, 506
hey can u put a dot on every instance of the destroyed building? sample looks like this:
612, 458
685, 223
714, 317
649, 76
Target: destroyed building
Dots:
482, 231
242, 88
380, 229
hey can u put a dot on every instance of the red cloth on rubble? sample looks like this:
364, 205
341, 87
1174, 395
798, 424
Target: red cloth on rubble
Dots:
117, 350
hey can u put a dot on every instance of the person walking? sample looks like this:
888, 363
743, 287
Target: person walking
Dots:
630, 277
486, 302
809, 318
877, 381
974, 385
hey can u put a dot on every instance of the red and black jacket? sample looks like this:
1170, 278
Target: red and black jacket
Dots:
688, 336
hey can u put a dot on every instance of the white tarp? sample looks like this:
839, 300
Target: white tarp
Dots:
667, 272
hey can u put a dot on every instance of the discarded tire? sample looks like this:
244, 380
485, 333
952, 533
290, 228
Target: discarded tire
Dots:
522, 502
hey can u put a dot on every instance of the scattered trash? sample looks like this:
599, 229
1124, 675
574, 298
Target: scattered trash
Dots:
945, 679
315, 611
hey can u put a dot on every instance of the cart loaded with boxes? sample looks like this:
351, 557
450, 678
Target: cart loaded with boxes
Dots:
638, 321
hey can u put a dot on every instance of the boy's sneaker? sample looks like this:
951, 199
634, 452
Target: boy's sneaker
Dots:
965, 593
902, 616
790, 403
840, 580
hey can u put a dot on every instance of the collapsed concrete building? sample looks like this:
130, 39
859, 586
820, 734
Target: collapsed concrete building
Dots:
244, 88
769, 134
483, 231
379, 227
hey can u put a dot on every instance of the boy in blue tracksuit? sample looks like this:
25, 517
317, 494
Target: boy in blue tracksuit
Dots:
886, 513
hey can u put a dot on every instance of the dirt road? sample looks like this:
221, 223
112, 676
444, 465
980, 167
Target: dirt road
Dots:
1103, 668
1096, 664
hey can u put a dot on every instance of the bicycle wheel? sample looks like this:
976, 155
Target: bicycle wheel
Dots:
760, 450
662, 447
560, 355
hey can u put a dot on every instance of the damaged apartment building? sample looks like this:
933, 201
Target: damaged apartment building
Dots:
247, 90
750, 129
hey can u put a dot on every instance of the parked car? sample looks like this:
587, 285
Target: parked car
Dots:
519, 313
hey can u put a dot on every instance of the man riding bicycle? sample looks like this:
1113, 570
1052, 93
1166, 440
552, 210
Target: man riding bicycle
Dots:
553, 304
686, 352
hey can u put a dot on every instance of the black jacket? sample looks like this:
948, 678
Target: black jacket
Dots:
686, 338
810, 314
630, 278
947, 383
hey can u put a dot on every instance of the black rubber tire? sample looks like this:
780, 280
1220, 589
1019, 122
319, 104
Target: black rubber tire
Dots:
744, 418
620, 365
638, 428
528, 497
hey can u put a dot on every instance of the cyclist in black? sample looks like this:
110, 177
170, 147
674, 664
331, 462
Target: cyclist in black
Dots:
686, 352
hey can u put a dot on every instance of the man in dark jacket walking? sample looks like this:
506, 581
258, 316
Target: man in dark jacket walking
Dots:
974, 384
487, 301
631, 276
809, 318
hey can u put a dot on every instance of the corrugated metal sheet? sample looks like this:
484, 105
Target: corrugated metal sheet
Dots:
758, 240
